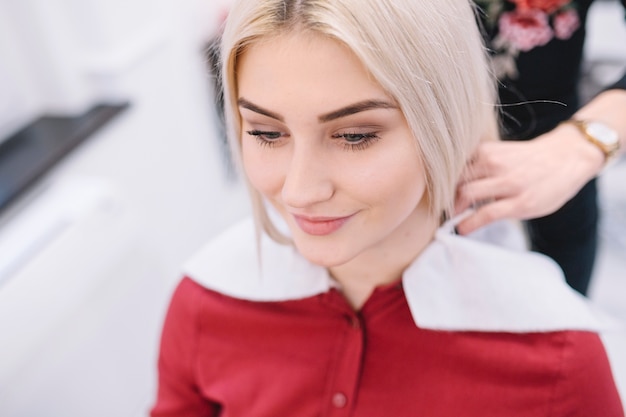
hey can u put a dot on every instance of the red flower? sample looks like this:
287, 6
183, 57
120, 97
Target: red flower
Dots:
565, 24
548, 6
525, 29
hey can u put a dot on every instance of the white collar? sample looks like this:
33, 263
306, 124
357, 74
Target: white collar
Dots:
457, 283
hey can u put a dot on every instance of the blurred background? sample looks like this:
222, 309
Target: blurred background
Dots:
112, 172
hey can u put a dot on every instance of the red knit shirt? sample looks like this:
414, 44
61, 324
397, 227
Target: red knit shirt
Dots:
223, 356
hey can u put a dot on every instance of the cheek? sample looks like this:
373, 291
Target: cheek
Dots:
411, 181
403, 189
394, 178
262, 170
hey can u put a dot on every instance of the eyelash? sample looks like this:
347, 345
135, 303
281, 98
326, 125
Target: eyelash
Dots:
364, 140
266, 137
270, 139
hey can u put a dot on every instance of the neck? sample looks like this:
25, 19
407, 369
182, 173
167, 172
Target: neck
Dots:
384, 263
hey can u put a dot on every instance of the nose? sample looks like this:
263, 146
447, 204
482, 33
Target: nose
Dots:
308, 180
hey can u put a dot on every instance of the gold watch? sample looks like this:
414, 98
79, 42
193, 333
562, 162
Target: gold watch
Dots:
598, 133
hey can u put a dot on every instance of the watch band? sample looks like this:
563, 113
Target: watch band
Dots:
599, 134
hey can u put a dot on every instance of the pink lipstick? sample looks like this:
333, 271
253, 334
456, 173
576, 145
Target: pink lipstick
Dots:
320, 226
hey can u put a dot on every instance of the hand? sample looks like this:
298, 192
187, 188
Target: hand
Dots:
525, 180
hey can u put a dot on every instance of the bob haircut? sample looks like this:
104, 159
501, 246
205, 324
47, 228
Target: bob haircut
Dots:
427, 54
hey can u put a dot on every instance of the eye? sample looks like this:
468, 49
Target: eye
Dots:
356, 141
266, 137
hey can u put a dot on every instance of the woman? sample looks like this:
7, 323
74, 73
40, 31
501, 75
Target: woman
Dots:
352, 120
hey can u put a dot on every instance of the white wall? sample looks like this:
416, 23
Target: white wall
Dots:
49, 54
19, 98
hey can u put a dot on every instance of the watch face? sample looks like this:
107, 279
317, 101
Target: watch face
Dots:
603, 133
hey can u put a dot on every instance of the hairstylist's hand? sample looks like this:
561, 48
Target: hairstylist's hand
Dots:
525, 180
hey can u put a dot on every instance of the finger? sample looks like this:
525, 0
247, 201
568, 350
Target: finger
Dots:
460, 205
489, 213
481, 191
474, 170
485, 161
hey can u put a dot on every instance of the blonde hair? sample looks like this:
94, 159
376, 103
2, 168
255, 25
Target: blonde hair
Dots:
427, 54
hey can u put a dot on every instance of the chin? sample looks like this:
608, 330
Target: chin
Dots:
322, 254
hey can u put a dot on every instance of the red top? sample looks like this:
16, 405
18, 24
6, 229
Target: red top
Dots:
223, 356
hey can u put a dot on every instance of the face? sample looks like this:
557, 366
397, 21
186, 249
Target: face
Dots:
331, 151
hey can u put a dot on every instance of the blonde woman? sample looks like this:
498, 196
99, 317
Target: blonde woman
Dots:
352, 121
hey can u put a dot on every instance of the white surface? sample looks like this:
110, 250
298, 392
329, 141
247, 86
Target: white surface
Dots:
606, 31
61, 56
608, 285
41, 222
54, 287
19, 99
83, 296
78, 328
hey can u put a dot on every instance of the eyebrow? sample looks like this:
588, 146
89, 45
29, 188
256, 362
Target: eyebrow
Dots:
242, 102
333, 115
356, 108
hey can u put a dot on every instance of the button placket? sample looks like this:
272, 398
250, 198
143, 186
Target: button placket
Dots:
347, 371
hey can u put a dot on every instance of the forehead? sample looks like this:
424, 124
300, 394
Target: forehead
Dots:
304, 67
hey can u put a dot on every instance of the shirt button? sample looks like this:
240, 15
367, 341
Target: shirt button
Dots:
339, 400
354, 322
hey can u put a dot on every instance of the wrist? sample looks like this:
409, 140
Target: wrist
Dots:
602, 138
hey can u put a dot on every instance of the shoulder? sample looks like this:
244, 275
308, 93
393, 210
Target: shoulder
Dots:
586, 386
177, 371
180, 321
462, 284
179, 335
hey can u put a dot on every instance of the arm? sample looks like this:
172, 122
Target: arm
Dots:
178, 394
524, 180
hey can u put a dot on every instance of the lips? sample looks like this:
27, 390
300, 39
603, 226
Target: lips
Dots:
320, 226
